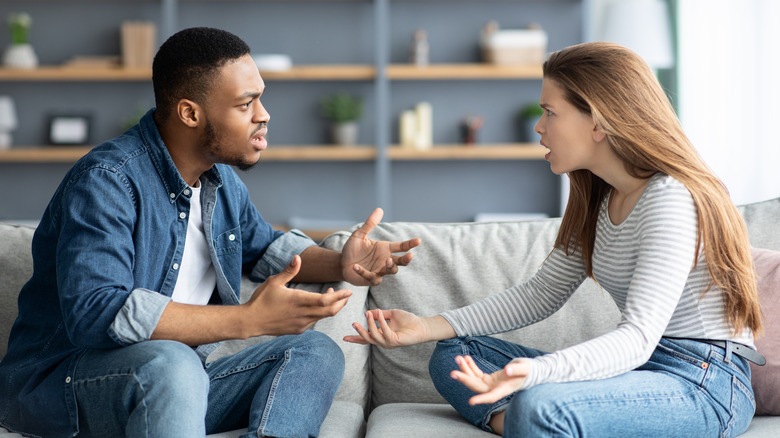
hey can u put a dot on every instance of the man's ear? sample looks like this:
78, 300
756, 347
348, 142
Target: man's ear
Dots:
189, 112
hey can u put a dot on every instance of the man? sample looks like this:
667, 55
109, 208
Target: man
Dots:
139, 257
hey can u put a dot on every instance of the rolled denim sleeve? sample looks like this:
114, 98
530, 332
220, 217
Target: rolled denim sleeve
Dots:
137, 318
279, 254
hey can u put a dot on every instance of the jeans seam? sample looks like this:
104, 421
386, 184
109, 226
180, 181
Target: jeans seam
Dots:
245, 367
269, 402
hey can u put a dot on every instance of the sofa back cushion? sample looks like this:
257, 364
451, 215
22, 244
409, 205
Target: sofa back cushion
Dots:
355, 386
458, 264
15, 270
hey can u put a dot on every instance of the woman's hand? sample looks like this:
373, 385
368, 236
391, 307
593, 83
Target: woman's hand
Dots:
490, 388
398, 328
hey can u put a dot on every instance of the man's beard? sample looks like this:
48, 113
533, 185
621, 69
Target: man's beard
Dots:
211, 144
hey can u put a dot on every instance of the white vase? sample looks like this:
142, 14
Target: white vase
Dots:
345, 134
20, 56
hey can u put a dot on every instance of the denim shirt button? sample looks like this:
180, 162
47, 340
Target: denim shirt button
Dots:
187, 192
232, 237
182, 215
175, 266
172, 195
67, 379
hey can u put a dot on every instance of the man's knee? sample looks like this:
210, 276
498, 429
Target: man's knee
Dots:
174, 368
323, 347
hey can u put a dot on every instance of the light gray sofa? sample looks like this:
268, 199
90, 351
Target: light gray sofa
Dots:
388, 393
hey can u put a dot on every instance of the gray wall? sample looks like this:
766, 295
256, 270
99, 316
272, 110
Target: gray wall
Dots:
312, 32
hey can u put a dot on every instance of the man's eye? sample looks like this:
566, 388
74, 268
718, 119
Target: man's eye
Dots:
246, 104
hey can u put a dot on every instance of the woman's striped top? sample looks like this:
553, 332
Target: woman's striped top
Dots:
645, 263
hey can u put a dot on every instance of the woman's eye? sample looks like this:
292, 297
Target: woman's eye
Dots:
549, 113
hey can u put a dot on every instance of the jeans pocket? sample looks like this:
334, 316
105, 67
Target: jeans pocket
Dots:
743, 405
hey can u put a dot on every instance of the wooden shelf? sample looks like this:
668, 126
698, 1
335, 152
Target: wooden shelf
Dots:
345, 72
70, 154
296, 73
322, 72
513, 151
63, 73
463, 71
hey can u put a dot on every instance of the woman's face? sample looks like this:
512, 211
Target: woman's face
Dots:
568, 133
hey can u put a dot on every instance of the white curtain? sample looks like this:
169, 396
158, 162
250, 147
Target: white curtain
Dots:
729, 91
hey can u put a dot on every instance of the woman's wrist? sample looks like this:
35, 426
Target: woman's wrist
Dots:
437, 328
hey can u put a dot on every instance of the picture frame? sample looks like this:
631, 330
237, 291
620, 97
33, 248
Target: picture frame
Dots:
69, 129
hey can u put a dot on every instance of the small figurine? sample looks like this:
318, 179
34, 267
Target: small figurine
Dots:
469, 127
418, 52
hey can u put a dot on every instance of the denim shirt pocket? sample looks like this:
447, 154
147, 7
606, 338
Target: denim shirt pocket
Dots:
228, 242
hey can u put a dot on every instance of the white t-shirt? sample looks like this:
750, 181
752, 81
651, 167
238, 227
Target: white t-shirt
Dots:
197, 277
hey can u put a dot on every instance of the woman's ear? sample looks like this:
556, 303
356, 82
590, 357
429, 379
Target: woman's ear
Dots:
598, 134
189, 112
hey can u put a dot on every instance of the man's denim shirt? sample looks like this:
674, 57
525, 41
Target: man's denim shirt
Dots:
106, 257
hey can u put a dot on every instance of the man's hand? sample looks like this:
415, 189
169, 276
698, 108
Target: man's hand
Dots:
365, 261
490, 388
275, 309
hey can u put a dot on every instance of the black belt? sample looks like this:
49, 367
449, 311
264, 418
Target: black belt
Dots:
741, 350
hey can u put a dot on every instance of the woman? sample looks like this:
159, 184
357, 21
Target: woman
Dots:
657, 230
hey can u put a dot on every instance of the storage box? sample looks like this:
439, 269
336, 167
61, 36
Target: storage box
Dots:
139, 42
514, 47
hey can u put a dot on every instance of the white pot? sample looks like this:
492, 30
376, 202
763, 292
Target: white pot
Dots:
20, 56
345, 134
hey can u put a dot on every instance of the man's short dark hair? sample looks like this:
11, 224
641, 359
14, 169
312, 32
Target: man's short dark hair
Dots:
187, 63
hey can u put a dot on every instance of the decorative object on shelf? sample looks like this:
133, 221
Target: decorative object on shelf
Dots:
642, 26
93, 62
469, 127
8, 121
527, 118
69, 129
343, 111
419, 50
139, 43
513, 47
20, 54
272, 62
416, 127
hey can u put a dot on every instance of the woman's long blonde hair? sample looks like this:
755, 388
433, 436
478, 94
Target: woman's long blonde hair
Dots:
614, 86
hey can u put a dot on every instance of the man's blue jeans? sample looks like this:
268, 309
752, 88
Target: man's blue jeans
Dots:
686, 389
281, 388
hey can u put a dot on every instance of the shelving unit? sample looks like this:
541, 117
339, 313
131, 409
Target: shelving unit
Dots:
374, 77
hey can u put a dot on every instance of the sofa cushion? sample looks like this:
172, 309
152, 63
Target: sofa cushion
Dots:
420, 420
460, 263
766, 379
761, 220
15, 269
355, 386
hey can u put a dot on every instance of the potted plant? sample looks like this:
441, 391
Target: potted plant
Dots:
528, 116
343, 111
20, 53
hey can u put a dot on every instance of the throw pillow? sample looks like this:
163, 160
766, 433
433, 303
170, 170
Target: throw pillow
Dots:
766, 379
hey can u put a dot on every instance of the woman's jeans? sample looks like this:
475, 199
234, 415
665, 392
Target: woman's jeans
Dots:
281, 388
686, 389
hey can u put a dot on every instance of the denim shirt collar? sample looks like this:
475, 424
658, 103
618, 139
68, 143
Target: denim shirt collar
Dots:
161, 158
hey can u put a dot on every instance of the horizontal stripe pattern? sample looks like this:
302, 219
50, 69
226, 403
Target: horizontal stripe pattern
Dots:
646, 265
